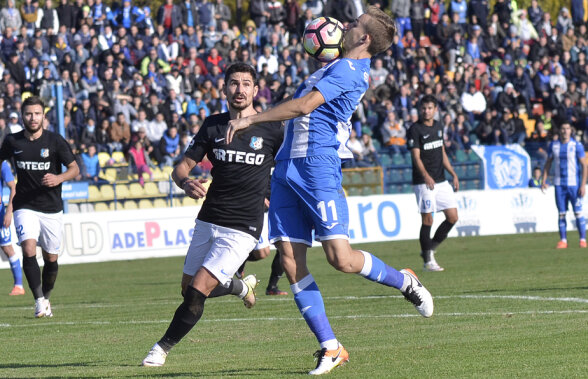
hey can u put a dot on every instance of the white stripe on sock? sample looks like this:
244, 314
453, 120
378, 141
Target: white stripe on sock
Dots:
302, 284
367, 264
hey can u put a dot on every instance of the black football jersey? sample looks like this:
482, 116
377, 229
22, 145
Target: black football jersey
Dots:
32, 160
429, 139
240, 172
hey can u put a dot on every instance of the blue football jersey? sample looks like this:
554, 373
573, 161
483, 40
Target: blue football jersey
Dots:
325, 131
565, 161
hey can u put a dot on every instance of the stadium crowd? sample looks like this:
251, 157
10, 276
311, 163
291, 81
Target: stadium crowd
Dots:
141, 81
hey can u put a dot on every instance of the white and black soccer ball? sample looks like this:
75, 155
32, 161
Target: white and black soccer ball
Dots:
323, 38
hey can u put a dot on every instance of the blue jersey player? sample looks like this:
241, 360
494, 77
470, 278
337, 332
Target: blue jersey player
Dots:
5, 235
306, 184
568, 158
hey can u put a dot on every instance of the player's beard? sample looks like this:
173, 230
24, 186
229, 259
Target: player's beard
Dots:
32, 130
241, 105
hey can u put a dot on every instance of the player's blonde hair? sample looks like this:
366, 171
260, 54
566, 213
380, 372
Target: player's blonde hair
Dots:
381, 30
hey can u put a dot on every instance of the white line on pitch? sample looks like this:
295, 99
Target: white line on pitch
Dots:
257, 319
288, 298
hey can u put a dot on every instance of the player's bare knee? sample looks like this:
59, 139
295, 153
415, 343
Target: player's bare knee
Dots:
340, 263
427, 219
262, 253
562, 216
452, 218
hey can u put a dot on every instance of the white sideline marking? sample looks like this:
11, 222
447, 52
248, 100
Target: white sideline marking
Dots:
351, 317
288, 298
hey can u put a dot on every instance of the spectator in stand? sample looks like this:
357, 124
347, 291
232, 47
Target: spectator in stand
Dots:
119, 134
169, 15
473, 103
369, 153
10, 17
91, 169
536, 180
378, 73
139, 161
535, 14
169, 147
393, 133
401, 10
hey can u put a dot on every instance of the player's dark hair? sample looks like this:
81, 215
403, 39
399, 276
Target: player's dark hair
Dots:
428, 99
32, 100
240, 67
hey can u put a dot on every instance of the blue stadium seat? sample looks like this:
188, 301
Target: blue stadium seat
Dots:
385, 160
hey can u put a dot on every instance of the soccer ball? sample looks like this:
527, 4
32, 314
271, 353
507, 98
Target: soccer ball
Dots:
323, 38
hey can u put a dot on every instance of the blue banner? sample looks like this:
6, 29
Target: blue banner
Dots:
69, 191
505, 167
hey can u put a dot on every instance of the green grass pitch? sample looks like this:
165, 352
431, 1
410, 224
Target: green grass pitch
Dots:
506, 306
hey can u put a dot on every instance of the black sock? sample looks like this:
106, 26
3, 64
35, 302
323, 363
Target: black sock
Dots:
186, 316
32, 272
235, 288
425, 238
276, 273
442, 232
49, 276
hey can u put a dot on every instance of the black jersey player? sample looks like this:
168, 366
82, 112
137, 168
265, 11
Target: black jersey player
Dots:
433, 192
38, 209
230, 221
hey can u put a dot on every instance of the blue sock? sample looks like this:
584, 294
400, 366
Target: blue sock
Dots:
16, 270
309, 300
562, 228
377, 271
581, 224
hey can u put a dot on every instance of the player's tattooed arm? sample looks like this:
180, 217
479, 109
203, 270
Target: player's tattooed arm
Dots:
192, 187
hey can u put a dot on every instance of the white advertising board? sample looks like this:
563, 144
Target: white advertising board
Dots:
122, 235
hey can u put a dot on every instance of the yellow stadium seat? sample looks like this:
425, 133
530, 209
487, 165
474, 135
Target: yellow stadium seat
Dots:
145, 204
160, 203
103, 158
107, 192
167, 170
110, 174
151, 189
101, 207
94, 194
187, 201
118, 157
130, 204
122, 191
158, 174
136, 190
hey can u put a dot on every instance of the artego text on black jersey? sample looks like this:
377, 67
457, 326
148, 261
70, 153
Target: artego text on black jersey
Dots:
240, 171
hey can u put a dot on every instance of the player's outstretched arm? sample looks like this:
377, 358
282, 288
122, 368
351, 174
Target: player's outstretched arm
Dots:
282, 112
192, 187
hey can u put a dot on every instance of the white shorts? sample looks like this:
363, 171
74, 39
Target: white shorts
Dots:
45, 228
264, 237
439, 199
221, 250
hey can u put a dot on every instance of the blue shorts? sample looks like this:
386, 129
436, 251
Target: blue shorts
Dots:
5, 239
307, 195
565, 194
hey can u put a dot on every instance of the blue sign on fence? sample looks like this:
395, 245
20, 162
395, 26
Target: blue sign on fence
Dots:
505, 167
